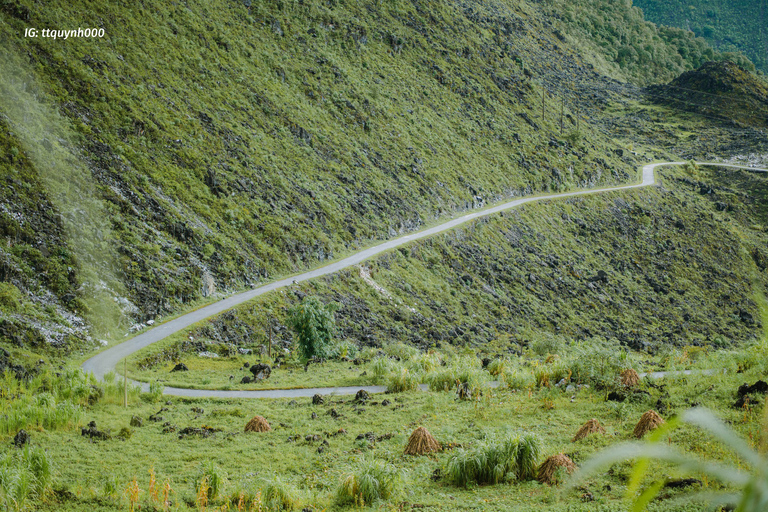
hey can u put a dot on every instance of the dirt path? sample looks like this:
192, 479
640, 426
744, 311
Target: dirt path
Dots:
107, 360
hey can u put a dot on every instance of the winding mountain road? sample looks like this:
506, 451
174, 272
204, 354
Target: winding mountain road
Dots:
107, 360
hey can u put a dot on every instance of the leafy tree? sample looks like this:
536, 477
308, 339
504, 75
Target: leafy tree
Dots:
314, 326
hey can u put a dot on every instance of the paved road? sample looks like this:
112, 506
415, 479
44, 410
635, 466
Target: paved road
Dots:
107, 360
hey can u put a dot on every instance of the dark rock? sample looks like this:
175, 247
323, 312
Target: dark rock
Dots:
21, 438
385, 403
614, 396
261, 371
486, 362
758, 387
362, 396
246, 365
136, 421
94, 433
320, 449
246, 380
318, 399
334, 413
682, 482
314, 415
180, 367
205, 431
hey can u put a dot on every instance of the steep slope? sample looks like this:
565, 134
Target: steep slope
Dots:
232, 142
728, 25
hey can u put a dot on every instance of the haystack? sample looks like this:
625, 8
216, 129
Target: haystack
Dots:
258, 424
629, 378
649, 421
548, 469
590, 427
421, 442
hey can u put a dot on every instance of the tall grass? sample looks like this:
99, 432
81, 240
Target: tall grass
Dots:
463, 369
25, 477
372, 481
494, 461
403, 380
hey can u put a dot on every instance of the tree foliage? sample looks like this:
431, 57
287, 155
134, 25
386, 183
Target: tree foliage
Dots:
313, 325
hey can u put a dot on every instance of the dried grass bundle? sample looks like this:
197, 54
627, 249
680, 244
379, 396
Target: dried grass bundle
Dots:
257, 424
649, 421
421, 442
590, 427
630, 378
548, 471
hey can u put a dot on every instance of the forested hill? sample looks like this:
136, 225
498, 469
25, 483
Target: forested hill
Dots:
728, 25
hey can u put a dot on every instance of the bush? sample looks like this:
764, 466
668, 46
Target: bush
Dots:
10, 297
424, 362
313, 324
492, 462
373, 480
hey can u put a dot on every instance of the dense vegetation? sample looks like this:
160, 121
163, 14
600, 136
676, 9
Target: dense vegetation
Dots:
727, 25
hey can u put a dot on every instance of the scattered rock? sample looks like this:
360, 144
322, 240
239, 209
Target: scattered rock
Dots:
314, 416
385, 402
362, 396
746, 393
682, 482
261, 371
318, 399
246, 380
94, 433
205, 431
180, 367
21, 438
137, 421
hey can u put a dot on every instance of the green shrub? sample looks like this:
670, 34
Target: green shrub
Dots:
155, 392
372, 481
495, 461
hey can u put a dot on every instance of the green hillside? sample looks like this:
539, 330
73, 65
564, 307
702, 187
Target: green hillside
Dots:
728, 25
221, 145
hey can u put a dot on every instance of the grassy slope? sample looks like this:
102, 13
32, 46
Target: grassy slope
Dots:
232, 144
729, 26
682, 267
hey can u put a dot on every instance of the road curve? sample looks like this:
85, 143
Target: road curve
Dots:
107, 360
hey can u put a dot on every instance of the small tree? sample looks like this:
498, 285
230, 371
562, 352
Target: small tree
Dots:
314, 326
